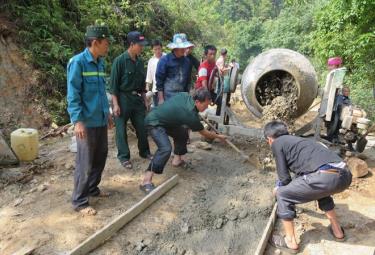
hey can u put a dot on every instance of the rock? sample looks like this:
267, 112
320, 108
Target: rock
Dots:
7, 156
33, 181
203, 145
42, 187
190, 149
348, 225
299, 210
232, 216
185, 228
190, 252
267, 160
32, 190
219, 223
140, 246
243, 214
69, 165
357, 167
173, 250
147, 241
182, 252
17, 202
277, 252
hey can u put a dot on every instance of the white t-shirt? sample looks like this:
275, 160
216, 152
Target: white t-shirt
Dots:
151, 70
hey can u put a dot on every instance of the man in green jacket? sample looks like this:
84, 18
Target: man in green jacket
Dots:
169, 119
128, 95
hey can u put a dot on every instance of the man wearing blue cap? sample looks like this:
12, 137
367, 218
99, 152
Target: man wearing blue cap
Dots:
174, 70
88, 108
128, 89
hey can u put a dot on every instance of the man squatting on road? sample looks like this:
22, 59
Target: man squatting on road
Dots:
167, 120
319, 173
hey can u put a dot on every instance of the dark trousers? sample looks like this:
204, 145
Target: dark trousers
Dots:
319, 185
155, 100
131, 107
90, 161
218, 101
160, 135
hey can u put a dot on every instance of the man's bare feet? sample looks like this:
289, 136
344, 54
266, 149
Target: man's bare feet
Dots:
87, 211
291, 245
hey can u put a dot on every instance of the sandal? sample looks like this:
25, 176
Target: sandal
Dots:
127, 164
342, 239
147, 188
182, 164
148, 156
86, 211
278, 241
102, 194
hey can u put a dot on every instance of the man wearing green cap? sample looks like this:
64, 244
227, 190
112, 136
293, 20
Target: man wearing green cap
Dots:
89, 112
128, 89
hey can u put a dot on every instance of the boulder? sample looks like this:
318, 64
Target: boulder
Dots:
357, 167
7, 156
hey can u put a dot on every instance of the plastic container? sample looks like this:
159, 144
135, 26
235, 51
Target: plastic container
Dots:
25, 143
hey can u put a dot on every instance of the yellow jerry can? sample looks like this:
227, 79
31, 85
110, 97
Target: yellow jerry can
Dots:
25, 143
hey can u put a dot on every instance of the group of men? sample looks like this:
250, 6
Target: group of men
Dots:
319, 173
174, 111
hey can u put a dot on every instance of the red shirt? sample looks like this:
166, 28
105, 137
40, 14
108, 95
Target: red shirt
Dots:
204, 73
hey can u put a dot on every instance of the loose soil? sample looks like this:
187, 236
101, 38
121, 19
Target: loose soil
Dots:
17, 78
277, 92
220, 205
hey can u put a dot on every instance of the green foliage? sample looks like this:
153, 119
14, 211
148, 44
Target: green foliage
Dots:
347, 29
52, 31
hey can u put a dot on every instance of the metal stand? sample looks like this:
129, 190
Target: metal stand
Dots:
227, 123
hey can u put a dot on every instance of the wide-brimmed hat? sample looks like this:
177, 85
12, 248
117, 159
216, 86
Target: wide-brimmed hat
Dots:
180, 41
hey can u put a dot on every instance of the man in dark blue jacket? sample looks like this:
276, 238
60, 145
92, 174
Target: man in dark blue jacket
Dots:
174, 69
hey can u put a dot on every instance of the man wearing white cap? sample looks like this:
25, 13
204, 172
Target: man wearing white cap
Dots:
174, 69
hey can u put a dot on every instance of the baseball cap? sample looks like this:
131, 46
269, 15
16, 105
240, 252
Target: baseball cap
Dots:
136, 37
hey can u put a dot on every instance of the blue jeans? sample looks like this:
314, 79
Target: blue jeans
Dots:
160, 135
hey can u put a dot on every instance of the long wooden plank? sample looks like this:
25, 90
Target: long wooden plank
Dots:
107, 231
267, 232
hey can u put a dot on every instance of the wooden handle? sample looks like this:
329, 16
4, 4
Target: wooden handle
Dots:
226, 140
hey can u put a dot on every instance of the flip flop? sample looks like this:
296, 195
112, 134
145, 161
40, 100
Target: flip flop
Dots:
127, 164
333, 234
182, 164
278, 241
102, 194
147, 188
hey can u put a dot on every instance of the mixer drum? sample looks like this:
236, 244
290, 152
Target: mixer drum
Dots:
279, 63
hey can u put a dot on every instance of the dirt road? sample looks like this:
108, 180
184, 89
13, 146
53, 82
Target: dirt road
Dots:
220, 205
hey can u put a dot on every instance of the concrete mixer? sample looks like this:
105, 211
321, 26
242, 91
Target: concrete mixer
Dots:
283, 72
